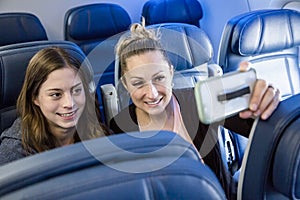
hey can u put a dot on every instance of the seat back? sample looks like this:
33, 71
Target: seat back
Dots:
20, 27
271, 166
88, 25
251, 37
269, 39
178, 11
14, 60
152, 165
96, 29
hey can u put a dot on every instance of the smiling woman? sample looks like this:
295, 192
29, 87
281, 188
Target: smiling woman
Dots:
55, 107
61, 100
147, 74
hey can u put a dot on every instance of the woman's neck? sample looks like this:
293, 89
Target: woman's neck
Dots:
63, 136
65, 141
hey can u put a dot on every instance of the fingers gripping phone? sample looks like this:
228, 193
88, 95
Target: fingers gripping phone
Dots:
220, 97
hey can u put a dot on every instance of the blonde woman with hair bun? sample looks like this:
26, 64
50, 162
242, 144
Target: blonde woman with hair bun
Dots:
147, 74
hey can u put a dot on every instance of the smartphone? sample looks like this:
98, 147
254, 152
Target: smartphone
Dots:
220, 97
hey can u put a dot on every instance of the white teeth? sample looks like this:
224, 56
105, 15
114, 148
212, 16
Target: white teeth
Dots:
67, 114
152, 103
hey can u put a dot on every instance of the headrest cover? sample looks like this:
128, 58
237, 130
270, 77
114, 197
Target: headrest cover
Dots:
269, 31
20, 27
96, 21
183, 11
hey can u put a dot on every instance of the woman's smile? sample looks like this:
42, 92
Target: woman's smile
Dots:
69, 115
155, 102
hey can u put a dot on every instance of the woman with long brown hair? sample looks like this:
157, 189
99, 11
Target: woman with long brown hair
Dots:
55, 107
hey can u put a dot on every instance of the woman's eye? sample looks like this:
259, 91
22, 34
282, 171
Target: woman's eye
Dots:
160, 78
77, 91
137, 83
55, 95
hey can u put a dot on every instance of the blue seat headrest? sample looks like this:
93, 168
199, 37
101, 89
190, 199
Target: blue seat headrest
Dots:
96, 21
192, 47
183, 11
266, 32
20, 27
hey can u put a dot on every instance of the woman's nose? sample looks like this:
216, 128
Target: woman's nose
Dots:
151, 91
68, 101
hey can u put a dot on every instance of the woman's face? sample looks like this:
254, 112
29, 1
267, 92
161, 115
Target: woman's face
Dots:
148, 79
61, 99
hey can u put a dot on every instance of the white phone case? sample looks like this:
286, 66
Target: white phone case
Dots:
220, 97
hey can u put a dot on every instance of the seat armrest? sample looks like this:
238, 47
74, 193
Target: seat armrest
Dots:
110, 101
214, 70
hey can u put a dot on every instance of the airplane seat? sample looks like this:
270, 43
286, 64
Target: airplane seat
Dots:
271, 167
177, 11
96, 28
269, 39
152, 165
19, 27
14, 60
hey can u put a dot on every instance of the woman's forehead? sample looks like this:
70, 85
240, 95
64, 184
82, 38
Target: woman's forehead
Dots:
148, 57
147, 70
61, 77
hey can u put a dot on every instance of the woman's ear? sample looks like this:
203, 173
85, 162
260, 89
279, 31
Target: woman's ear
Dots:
36, 102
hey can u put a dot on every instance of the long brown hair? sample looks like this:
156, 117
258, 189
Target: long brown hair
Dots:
35, 132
